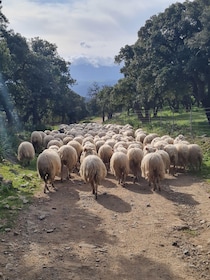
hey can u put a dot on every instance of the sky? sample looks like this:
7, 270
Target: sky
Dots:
83, 30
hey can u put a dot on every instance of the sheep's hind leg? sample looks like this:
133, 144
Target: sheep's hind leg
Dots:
53, 186
96, 191
46, 188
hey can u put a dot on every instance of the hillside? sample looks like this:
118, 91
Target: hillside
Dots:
86, 74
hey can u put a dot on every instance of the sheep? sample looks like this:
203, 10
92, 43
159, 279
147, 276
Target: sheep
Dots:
25, 152
140, 137
36, 140
93, 171
69, 158
105, 153
183, 153
78, 147
47, 139
153, 169
87, 151
148, 149
148, 139
67, 139
56, 142
166, 159
195, 156
99, 143
119, 166
48, 166
79, 138
136, 145
135, 156
173, 155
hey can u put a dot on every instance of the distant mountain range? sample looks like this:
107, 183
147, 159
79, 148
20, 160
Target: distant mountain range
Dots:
86, 74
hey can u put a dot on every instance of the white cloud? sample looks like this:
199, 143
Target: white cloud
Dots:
87, 28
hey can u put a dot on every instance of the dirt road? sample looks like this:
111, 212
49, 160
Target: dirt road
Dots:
128, 233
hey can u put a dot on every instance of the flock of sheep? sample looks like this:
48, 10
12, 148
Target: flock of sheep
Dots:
96, 149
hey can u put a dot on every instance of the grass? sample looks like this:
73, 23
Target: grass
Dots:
17, 187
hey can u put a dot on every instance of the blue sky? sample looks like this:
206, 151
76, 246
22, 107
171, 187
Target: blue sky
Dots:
92, 30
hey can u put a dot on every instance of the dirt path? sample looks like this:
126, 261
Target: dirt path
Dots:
128, 233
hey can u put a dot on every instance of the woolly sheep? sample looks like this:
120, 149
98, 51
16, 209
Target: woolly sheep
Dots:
78, 147
140, 137
120, 148
48, 166
153, 169
135, 145
25, 152
119, 166
93, 171
69, 158
135, 156
148, 139
56, 142
160, 144
195, 156
173, 155
79, 138
148, 149
67, 139
47, 139
183, 153
36, 140
86, 152
105, 152
99, 143
165, 158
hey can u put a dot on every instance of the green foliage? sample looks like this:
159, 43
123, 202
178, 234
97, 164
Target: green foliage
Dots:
9, 142
35, 82
17, 186
169, 62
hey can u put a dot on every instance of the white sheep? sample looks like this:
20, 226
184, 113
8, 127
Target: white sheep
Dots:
153, 169
119, 166
105, 152
56, 142
93, 171
36, 140
69, 158
148, 149
183, 154
148, 139
173, 155
195, 156
135, 156
78, 147
48, 166
166, 159
25, 152
47, 139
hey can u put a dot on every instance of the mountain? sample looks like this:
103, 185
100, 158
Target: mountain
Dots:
86, 74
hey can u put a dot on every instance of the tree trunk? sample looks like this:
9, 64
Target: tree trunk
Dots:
6, 109
206, 103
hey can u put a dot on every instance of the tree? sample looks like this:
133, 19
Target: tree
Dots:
170, 60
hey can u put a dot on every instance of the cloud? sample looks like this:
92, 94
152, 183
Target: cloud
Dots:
85, 28
84, 45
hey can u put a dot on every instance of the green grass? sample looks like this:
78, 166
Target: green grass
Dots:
17, 187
